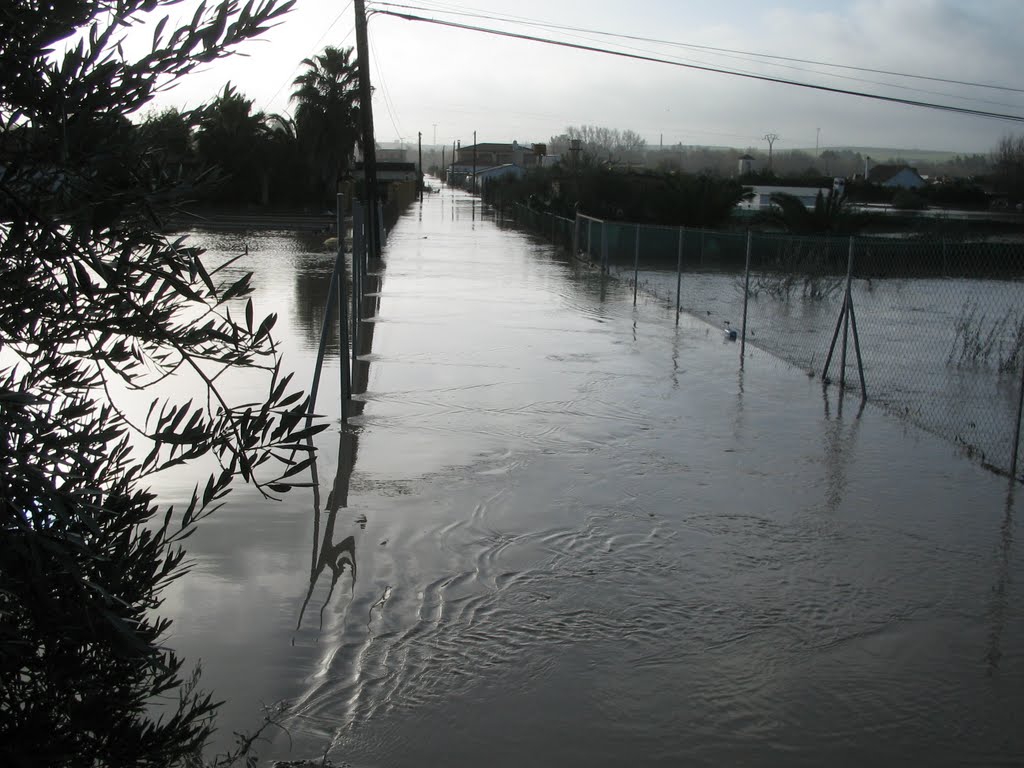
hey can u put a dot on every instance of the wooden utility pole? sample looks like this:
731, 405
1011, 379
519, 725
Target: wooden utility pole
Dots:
419, 147
473, 189
369, 148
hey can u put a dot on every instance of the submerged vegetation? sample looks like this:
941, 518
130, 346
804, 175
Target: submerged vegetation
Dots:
981, 341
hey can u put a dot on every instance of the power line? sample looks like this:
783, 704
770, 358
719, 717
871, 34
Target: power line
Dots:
548, 25
705, 68
384, 90
315, 46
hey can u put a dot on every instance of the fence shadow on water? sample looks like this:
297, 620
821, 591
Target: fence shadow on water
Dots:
940, 322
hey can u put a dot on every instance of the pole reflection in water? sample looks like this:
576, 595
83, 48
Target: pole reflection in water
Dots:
326, 553
1000, 592
840, 442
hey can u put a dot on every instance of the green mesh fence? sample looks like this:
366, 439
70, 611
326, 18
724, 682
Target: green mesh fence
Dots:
940, 322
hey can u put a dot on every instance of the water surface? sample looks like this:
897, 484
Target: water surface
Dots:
564, 531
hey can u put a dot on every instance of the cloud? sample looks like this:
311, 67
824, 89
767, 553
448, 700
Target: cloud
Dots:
505, 89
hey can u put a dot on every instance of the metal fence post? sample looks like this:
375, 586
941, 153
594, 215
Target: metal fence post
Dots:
358, 249
846, 314
679, 271
746, 295
335, 292
576, 236
636, 263
604, 246
1016, 433
856, 335
346, 380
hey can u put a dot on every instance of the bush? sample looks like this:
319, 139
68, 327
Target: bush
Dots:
908, 200
96, 307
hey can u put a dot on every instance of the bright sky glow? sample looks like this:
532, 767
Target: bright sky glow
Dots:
447, 83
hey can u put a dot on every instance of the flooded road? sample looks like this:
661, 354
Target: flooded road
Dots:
565, 531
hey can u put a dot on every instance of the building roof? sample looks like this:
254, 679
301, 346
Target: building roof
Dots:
500, 169
492, 146
881, 173
496, 147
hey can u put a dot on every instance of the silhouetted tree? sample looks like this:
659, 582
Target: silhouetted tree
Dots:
98, 310
655, 198
327, 115
1008, 161
602, 144
229, 138
281, 155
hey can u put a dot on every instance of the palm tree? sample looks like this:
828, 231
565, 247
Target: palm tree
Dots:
327, 113
280, 155
229, 139
831, 215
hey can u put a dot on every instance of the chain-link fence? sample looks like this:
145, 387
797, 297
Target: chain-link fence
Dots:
939, 323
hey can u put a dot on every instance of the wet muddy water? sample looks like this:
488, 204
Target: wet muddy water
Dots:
564, 531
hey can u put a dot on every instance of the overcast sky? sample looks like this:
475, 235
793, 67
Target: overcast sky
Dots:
448, 82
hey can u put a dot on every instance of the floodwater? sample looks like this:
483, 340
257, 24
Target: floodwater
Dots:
913, 356
565, 531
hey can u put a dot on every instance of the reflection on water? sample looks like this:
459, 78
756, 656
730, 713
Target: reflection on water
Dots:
585, 538
328, 554
1000, 591
840, 442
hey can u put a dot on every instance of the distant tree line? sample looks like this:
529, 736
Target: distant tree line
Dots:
608, 174
600, 143
626, 147
246, 157
681, 199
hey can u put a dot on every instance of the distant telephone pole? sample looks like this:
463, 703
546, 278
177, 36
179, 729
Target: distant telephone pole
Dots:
474, 162
369, 148
419, 147
770, 138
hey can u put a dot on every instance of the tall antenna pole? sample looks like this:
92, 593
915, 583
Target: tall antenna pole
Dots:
366, 112
770, 138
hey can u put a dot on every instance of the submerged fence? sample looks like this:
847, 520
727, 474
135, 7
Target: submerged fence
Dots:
940, 323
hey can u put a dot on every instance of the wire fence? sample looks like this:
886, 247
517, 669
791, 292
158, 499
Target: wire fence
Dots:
938, 325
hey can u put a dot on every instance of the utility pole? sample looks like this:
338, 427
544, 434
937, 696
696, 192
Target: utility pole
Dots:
369, 148
419, 146
474, 162
770, 138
